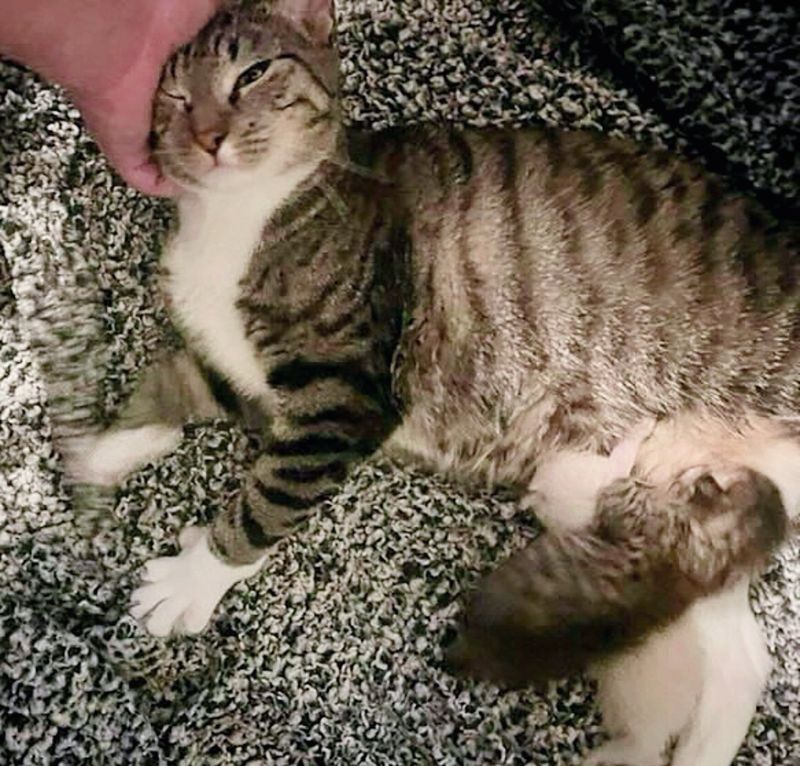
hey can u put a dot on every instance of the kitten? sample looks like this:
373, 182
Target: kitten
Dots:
645, 556
483, 300
634, 575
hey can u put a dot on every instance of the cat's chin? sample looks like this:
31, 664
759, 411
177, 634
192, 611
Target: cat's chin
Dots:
224, 178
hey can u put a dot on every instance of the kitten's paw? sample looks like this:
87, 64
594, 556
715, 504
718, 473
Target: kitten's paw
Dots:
106, 460
624, 752
180, 592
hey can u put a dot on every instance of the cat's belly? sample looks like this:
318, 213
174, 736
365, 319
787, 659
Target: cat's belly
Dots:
501, 445
471, 447
498, 434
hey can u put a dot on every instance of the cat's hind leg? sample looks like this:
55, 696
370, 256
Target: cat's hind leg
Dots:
170, 394
736, 666
647, 696
106, 459
696, 682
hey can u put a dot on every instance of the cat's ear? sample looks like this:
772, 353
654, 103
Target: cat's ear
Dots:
313, 18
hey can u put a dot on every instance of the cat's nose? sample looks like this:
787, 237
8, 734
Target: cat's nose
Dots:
210, 140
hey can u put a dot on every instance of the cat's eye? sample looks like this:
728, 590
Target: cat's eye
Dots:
177, 97
251, 74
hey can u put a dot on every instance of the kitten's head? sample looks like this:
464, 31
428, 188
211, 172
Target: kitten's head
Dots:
256, 91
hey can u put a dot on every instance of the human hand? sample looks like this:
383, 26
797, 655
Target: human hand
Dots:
108, 55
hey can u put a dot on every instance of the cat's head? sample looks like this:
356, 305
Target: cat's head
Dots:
255, 92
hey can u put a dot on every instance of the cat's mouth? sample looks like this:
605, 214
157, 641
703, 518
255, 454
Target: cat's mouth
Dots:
224, 158
196, 168
212, 169
226, 171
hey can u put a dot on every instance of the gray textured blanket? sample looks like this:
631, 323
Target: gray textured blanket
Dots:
329, 657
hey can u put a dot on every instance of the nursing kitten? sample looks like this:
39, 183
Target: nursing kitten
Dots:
685, 669
647, 555
491, 302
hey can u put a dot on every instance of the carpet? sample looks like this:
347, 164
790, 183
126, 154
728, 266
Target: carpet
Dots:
331, 655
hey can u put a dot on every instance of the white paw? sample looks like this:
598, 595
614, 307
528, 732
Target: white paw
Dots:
108, 458
564, 490
623, 752
181, 592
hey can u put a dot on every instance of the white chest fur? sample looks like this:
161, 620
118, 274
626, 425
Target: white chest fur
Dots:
205, 263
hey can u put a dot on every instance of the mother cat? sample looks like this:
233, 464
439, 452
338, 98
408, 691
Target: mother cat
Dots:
553, 311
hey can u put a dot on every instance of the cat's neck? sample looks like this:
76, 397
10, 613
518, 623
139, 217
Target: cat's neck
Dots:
249, 199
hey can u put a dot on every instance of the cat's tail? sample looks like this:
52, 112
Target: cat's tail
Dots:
572, 598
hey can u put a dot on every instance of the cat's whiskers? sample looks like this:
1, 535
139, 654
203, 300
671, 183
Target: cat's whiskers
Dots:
251, 144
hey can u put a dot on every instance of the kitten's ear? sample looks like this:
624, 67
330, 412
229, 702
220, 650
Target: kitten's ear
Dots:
313, 18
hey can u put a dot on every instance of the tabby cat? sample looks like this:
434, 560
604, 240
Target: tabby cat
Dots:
601, 326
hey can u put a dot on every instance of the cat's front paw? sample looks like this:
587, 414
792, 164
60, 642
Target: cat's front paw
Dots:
180, 592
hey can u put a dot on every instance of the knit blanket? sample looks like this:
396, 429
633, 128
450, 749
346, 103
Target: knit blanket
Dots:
333, 654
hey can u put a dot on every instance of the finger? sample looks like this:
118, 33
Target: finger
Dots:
120, 125
147, 179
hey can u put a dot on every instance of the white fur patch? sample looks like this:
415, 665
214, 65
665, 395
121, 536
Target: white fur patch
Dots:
564, 490
563, 493
647, 696
208, 258
700, 679
107, 459
736, 665
180, 592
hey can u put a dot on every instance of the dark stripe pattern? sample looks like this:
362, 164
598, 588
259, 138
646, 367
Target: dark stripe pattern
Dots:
336, 413
299, 373
607, 273
220, 389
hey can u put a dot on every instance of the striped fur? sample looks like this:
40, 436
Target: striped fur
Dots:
596, 283
498, 295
